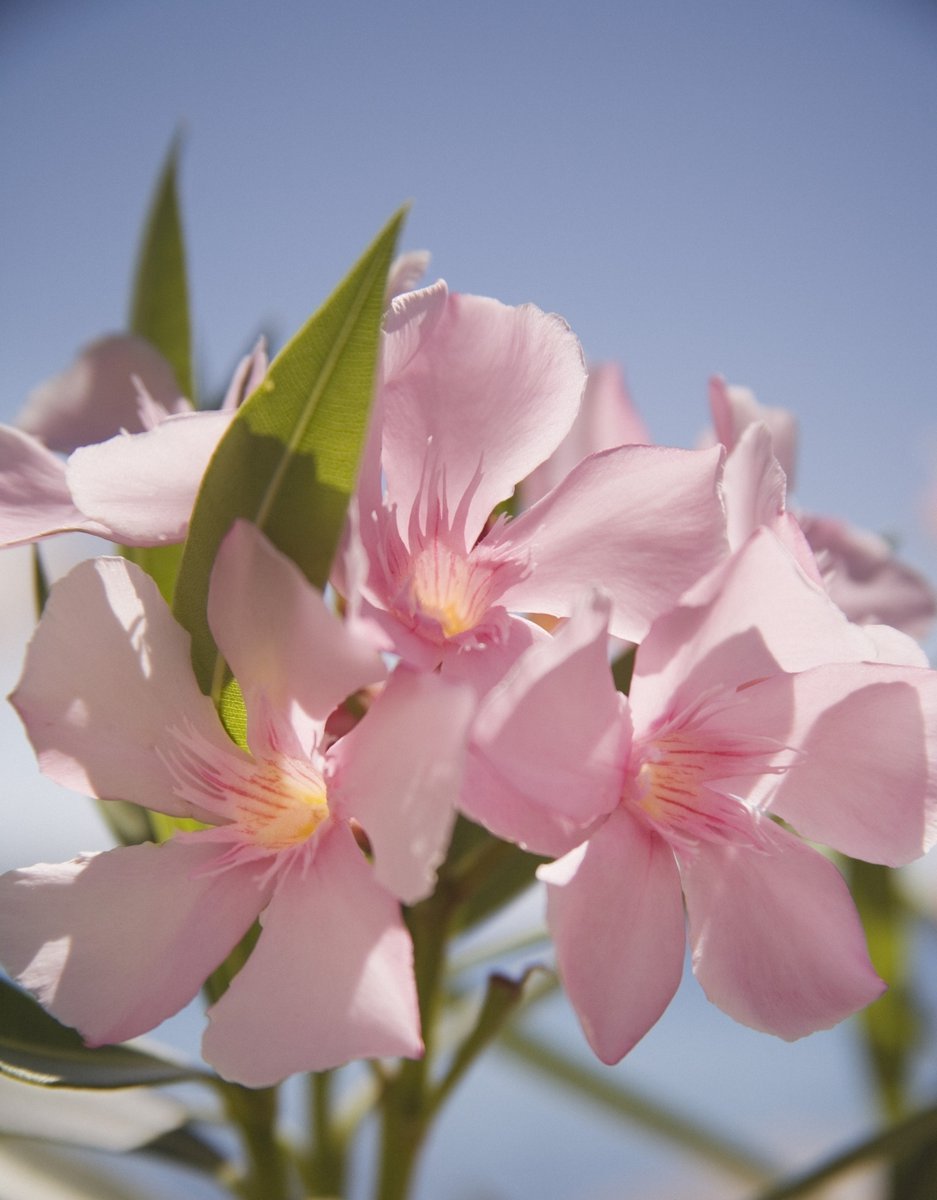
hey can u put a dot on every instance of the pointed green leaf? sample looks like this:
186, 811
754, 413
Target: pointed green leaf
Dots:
35, 1048
187, 1148
891, 1026
289, 459
159, 309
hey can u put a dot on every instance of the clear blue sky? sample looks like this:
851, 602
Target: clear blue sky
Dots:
736, 186
729, 186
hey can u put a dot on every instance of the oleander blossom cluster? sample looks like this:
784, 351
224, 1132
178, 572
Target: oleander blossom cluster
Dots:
513, 532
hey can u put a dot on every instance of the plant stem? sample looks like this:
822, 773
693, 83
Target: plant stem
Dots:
405, 1104
325, 1174
254, 1112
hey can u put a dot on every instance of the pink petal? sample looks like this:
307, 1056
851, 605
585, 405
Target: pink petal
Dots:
777, 942
616, 916
406, 271
330, 979
643, 522
549, 744
866, 735
96, 396
398, 773
107, 677
492, 389
248, 376
143, 486
34, 498
867, 580
607, 418
114, 943
754, 615
276, 633
735, 408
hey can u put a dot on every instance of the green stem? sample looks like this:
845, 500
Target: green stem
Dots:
254, 1112
406, 1103
326, 1168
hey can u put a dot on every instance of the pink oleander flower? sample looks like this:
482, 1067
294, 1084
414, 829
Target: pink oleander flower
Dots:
113, 943
607, 418
753, 699
136, 449
474, 395
859, 569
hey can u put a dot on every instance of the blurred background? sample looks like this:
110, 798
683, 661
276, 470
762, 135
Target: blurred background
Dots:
726, 186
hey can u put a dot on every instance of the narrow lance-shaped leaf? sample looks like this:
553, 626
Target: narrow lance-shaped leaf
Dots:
35, 1048
289, 459
159, 309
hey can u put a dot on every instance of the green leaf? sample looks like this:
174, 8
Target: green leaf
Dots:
289, 459
901, 1143
890, 1026
623, 670
35, 1048
159, 309
187, 1148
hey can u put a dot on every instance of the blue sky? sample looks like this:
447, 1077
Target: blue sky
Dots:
734, 186
748, 188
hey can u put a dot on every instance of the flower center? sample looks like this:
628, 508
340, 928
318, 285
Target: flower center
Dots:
283, 804
273, 803
450, 588
680, 783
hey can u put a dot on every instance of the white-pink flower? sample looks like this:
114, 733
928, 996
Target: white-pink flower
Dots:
753, 699
136, 449
113, 943
474, 395
859, 569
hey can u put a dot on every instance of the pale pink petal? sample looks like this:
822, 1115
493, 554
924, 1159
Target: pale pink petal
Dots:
735, 408
753, 615
276, 633
485, 665
549, 744
776, 939
755, 486
330, 979
406, 271
606, 418
248, 376
143, 486
114, 943
893, 646
492, 390
867, 580
107, 674
642, 522
863, 779
96, 396
398, 773
34, 498
616, 916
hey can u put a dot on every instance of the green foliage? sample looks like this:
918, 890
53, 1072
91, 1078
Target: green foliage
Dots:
890, 1026
159, 307
35, 1048
485, 872
289, 459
